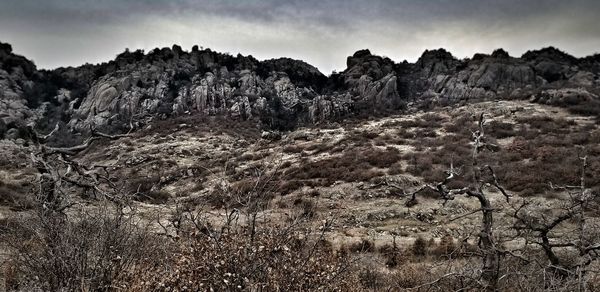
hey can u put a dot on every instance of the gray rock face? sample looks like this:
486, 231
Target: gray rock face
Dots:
279, 94
239, 94
13, 107
15, 74
498, 76
484, 77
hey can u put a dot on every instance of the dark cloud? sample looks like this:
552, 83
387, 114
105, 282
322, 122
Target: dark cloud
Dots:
322, 32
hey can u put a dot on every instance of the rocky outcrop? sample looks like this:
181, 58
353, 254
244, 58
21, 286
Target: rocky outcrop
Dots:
439, 76
279, 94
15, 75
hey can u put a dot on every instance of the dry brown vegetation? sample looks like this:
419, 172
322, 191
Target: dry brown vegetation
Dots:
542, 149
15, 196
209, 208
358, 164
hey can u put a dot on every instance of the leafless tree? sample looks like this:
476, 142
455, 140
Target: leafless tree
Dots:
59, 171
482, 176
567, 234
62, 246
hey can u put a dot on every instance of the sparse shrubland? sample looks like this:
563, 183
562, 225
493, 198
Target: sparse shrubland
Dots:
399, 206
541, 149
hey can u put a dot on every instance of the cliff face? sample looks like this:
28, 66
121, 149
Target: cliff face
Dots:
136, 88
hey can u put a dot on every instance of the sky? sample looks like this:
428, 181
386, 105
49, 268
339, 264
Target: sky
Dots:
56, 33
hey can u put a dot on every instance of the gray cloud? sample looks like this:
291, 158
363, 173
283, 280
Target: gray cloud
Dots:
71, 32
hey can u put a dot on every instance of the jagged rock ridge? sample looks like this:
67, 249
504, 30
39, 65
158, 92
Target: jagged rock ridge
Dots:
137, 88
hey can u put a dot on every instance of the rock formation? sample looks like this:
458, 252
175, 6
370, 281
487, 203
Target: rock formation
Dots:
136, 87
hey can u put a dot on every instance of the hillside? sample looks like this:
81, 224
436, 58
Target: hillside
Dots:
190, 171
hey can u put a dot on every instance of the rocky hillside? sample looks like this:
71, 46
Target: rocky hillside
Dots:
400, 194
138, 88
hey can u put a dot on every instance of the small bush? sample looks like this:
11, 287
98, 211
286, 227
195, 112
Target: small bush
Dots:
395, 169
16, 196
419, 247
93, 251
369, 135
274, 259
546, 124
461, 125
446, 248
354, 165
500, 129
405, 134
287, 187
365, 245
143, 184
393, 255
307, 207
153, 197
371, 278
427, 121
425, 133
411, 275
382, 159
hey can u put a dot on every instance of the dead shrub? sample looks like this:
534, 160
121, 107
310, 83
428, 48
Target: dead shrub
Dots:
411, 275
394, 256
90, 251
372, 278
255, 191
467, 249
362, 246
369, 135
419, 247
446, 248
461, 125
382, 158
156, 197
355, 165
500, 129
275, 258
16, 196
289, 186
307, 207
395, 169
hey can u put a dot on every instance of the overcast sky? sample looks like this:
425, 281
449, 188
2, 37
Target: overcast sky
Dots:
322, 32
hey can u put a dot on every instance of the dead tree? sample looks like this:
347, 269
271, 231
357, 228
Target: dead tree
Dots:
58, 170
87, 249
482, 176
577, 233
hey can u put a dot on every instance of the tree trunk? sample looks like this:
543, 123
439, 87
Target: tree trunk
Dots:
491, 259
